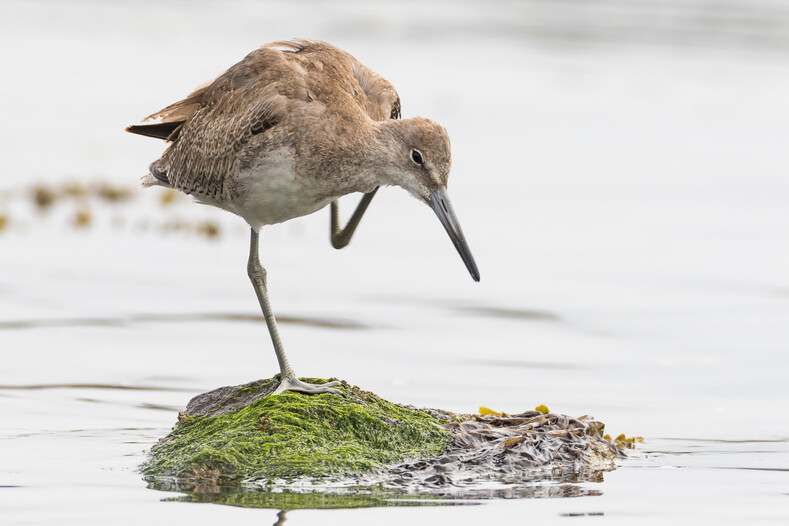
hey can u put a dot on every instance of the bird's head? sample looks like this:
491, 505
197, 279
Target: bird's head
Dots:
421, 156
419, 161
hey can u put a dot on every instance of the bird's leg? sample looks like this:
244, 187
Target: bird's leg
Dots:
288, 382
341, 237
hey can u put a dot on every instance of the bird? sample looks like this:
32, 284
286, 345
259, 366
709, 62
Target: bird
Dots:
285, 132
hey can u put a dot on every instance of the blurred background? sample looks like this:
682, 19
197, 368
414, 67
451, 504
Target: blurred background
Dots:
619, 169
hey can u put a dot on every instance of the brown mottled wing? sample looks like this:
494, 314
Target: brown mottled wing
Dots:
382, 101
214, 123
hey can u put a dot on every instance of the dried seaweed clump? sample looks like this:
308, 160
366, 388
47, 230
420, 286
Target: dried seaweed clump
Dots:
516, 448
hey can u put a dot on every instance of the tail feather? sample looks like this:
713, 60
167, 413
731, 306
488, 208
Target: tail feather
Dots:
161, 130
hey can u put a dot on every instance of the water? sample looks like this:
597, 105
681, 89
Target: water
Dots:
621, 181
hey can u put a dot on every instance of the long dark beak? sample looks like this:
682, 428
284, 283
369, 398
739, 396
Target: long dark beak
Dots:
439, 201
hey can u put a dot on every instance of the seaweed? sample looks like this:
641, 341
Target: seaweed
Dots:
247, 433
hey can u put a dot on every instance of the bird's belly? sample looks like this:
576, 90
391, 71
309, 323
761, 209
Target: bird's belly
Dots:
271, 192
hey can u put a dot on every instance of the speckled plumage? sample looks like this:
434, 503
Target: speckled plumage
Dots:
304, 111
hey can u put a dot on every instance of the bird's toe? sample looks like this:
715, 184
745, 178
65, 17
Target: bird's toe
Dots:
294, 384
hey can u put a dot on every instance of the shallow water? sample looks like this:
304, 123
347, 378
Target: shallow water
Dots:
620, 175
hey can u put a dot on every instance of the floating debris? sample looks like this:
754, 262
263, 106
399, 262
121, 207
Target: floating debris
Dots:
87, 204
82, 218
112, 193
168, 196
509, 449
74, 189
43, 196
209, 229
623, 442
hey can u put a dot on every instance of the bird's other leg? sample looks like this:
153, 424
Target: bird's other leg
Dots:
288, 382
341, 237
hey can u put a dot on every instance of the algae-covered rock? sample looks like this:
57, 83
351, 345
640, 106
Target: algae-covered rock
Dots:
243, 433
295, 442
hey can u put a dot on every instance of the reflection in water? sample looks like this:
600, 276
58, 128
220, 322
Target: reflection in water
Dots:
251, 496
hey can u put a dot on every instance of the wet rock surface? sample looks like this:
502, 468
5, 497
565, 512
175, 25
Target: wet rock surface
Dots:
230, 398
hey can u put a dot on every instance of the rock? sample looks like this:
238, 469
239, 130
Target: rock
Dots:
242, 435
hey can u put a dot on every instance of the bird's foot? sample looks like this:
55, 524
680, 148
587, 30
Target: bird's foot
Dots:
291, 383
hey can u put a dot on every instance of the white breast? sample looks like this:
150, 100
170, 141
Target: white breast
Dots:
271, 192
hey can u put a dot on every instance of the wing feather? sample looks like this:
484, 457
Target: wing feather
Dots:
214, 123
210, 127
382, 101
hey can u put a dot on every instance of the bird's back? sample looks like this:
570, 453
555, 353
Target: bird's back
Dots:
297, 99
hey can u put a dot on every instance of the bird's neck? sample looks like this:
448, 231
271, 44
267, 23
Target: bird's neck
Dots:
382, 151
359, 164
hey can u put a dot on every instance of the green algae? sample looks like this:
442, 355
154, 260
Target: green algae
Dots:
291, 435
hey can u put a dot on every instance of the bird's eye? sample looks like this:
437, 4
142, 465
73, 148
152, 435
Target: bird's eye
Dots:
416, 156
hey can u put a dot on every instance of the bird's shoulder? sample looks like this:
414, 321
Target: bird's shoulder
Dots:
338, 80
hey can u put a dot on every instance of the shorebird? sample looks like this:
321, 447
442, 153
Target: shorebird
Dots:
288, 130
